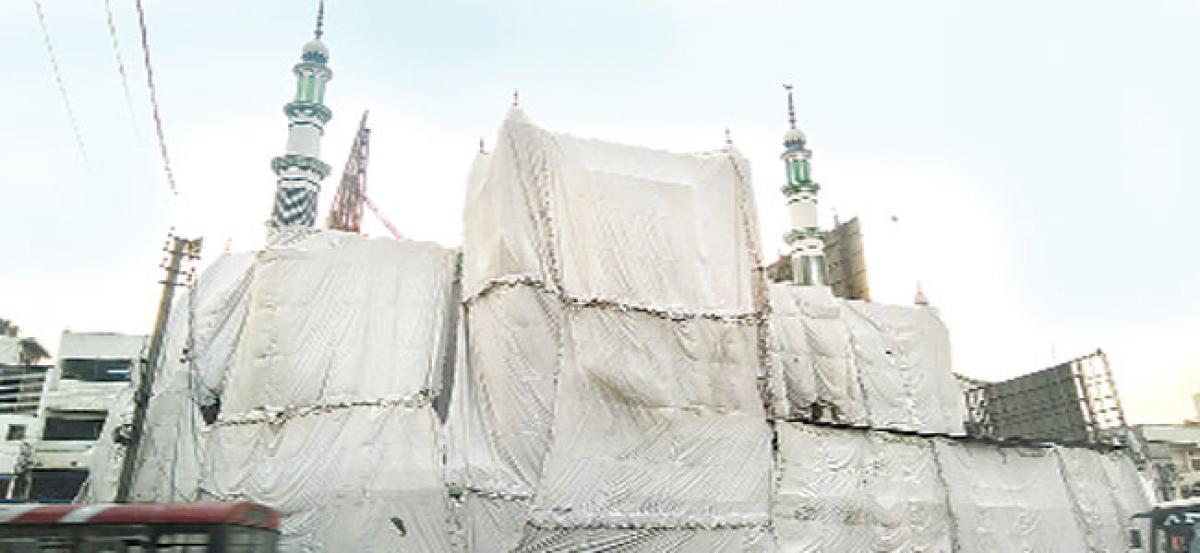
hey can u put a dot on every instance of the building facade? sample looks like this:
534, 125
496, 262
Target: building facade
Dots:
1172, 453
20, 397
79, 390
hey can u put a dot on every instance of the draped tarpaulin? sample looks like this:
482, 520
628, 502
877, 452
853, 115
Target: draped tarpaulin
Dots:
1008, 499
611, 347
1102, 497
324, 352
903, 358
812, 355
856, 490
203, 329
326, 414
612, 305
886, 366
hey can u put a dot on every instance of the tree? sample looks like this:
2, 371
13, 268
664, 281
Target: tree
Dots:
31, 350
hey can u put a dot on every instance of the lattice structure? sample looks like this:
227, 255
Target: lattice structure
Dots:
1075, 401
346, 212
1098, 396
979, 421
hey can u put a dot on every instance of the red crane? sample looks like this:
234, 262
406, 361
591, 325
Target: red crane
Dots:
346, 212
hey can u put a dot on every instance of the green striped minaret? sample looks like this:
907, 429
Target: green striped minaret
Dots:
300, 170
804, 239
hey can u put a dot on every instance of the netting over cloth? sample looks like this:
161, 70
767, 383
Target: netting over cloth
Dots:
903, 357
612, 305
324, 354
853, 490
886, 366
1103, 496
221, 301
1008, 499
340, 318
604, 222
812, 356
613, 347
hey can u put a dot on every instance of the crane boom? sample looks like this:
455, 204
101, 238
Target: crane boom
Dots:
346, 212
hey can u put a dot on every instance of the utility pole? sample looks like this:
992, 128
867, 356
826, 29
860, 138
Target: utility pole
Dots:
178, 250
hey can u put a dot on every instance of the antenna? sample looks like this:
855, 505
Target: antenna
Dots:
791, 106
320, 31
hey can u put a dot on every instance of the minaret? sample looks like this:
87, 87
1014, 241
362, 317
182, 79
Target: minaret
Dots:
804, 240
300, 169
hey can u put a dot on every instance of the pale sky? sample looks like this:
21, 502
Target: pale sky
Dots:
1033, 153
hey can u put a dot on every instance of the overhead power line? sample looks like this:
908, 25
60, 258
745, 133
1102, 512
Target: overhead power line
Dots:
62, 88
116, 46
158, 127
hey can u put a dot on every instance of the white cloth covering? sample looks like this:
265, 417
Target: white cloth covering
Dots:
812, 354
1008, 499
362, 478
338, 317
324, 351
168, 467
854, 490
903, 358
750, 540
603, 221
492, 524
1096, 498
886, 366
221, 301
611, 302
1129, 490
659, 424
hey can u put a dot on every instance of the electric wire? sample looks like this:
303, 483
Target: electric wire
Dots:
62, 87
158, 126
116, 46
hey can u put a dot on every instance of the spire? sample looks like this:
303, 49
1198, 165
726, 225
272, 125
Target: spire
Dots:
320, 30
920, 298
791, 106
515, 113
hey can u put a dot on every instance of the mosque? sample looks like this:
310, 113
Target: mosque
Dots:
602, 366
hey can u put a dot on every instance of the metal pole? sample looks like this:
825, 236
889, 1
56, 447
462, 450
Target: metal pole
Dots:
179, 249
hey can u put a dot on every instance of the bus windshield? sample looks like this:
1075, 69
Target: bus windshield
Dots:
1178, 532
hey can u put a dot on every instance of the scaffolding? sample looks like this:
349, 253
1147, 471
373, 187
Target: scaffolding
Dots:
1075, 401
346, 212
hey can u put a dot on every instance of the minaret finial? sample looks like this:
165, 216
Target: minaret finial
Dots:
728, 137
920, 298
791, 106
481, 149
320, 31
516, 98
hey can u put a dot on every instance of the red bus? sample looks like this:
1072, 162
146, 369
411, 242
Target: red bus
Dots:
241, 527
